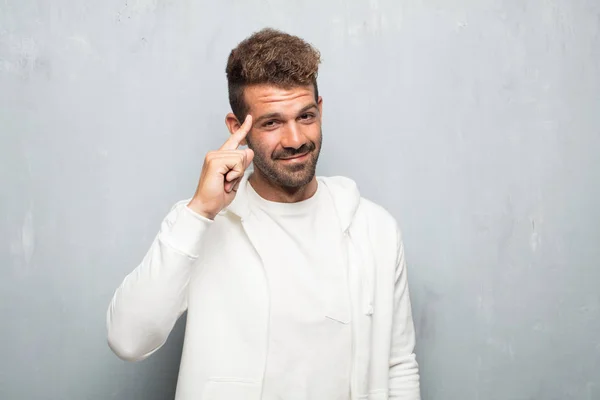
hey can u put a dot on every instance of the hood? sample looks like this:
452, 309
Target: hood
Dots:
346, 198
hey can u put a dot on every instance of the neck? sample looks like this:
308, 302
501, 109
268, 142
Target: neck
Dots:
272, 192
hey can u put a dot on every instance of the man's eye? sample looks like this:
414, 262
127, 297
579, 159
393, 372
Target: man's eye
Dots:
269, 124
306, 116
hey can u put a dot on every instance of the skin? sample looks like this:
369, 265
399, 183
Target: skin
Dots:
221, 174
283, 134
285, 138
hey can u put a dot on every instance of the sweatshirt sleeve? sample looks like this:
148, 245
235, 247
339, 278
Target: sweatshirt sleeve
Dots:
404, 370
150, 299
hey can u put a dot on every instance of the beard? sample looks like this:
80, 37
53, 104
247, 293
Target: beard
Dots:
290, 176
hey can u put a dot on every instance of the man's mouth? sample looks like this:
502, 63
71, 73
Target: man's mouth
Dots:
298, 157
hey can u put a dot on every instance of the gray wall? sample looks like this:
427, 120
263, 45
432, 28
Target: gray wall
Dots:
476, 123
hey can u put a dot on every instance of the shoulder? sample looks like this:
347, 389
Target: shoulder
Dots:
383, 232
380, 226
377, 215
365, 210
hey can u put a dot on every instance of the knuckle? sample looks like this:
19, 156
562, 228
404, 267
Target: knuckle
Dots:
213, 155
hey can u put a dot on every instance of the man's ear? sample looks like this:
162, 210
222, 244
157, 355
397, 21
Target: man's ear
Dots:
233, 125
320, 105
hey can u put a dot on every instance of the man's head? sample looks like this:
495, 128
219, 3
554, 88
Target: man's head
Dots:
273, 77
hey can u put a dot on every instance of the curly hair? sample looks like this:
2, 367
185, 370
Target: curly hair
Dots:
273, 57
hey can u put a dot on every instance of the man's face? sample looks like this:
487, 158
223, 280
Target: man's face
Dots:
286, 133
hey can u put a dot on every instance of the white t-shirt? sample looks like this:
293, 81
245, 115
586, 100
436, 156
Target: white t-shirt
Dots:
310, 337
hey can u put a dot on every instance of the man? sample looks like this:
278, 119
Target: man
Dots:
295, 286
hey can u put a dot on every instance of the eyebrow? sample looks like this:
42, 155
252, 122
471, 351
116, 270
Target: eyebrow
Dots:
278, 115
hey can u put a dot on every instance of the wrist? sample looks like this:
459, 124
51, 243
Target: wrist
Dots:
197, 207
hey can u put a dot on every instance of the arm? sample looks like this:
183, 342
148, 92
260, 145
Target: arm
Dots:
146, 306
404, 370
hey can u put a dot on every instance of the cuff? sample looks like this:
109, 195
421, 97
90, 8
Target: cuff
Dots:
186, 230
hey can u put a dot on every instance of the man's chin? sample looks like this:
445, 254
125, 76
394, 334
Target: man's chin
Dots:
294, 180
288, 175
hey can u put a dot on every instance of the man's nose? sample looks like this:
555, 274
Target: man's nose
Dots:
292, 137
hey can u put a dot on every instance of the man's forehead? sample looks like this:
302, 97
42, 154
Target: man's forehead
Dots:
259, 98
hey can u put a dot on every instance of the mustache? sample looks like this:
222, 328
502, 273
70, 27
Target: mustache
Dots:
290, 152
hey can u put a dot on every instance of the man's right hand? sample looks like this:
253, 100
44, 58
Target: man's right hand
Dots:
221, 174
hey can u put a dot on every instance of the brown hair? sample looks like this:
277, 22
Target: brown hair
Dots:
273, 57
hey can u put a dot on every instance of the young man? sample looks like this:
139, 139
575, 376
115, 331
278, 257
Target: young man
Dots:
295, 285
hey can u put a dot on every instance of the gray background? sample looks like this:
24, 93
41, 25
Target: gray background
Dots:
476, 123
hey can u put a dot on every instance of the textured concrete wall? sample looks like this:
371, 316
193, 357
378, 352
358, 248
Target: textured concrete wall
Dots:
476, 123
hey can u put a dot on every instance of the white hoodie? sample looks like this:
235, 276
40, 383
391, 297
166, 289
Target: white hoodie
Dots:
214, 270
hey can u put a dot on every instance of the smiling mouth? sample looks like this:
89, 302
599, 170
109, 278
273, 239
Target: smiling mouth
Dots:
295, 157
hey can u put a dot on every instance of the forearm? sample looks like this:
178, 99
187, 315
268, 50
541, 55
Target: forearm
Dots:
404, 382
147, 304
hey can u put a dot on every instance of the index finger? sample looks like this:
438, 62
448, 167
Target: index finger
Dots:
233, 142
